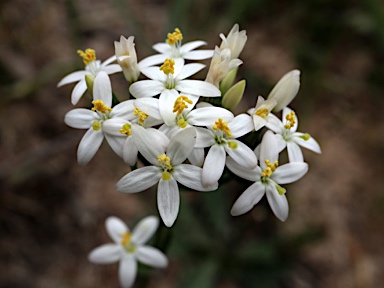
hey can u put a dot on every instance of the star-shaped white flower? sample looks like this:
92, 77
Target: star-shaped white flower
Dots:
93, 119
92, 67
267, 178
128, 248
167, 170
287, 136
261, 114
173, 49
235, 41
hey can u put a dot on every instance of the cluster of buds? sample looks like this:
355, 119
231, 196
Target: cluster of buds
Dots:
186, 130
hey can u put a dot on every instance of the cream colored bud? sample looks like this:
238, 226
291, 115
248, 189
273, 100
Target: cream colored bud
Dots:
126, 57
234, 95
285, 90
235, 41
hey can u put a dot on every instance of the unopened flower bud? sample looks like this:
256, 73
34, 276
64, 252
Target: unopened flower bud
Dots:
234, 95
227, 82
235, 41
89, 79
127, 59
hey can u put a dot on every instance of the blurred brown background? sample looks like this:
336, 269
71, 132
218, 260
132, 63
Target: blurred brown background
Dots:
53, 210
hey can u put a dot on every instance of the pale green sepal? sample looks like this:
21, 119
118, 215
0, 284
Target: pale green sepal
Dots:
227, 82
234, 95
89, 79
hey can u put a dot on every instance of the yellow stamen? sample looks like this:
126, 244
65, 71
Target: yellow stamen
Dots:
100, 106
290, 120
96, 125
141, 114
182, 123
305, 137
126, 130
262, 112
168, 67
180, 105
166, 175
232, 145
174, 37
88, 55
223, 126
164, 160
126, 238
270, 168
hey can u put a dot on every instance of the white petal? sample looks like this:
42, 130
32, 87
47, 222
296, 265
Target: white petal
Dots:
289, 172
78, 91
191, 46
166, 103
127, 271
189, 70
105, 254
281, 143
241, 171
139, 180
204, 137
80, 118
149, 106
113, 126
89, 145
152, 60
144, 230
190, 176
124, 110
116, 143
102, 89
268, 149
197, 157
181, 145
213, 165
207, 116
243, 155
198, 55
163, 48
310, 144
72, 77
241, 125
250, 197
168, 201
275, 125
158, 137
294, 152
278, 203
146, 88
112, 69
108, 61
258, 122
115, 228
197, 87
130, 152
154, 73
151, 256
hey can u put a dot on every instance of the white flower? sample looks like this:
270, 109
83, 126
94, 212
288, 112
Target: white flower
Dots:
222, 139
267, 178
288, 137
172, 48
221, 64
92, 67
93, 119
167, 170
127, 59
170, 78
261, 113
235, 41
285, 90
128, 248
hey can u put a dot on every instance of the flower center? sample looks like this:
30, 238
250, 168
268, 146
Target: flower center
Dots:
165, 163
100, 106
180, 105
142, 116
262, 112
290, 120
223, 126
181, 121
174, 37
88, 55
96, 125
269, 169
168, 67
126, 130
126, 242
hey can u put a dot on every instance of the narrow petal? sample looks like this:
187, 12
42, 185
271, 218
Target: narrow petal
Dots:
166, 103
281, 143
105, 254
181, 145
149, 106
190, 176
310, 144
80, 118
278, 203
151, 256
242, 154
189, 70
207, 116
124, 110
163, 48
294, 152
130, 151
139, 180
154, 73
112, 69
146, 88
89, 145
115, 228
102, 89
250, 197
241, 125
198, 55
197, 157
276, 125
151, 60
268, 149
116, 143
168, 201
113, 126
108, 61
187, 47
127, 271
204, 137
78, 91
213, 165
241, 171
289, 172
258, 122
197, 87
144, 230
72, 77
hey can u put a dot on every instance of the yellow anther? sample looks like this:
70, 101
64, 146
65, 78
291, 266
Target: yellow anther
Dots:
96, 125
174, 37
262, 112
232, 145
305, 137
223, 126
280, 189
166, 175
126, 239
141, 114
168, 67
180, 105
100, 106
88, 55
291, 121
164, 160
126, 130
182, 123
267, 172
270, 168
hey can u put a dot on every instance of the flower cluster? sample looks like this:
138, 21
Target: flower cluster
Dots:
186, 130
